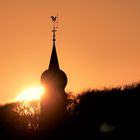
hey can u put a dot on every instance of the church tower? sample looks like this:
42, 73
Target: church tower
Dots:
54, 100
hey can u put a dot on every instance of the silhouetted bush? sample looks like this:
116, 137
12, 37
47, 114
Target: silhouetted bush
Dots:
97, 114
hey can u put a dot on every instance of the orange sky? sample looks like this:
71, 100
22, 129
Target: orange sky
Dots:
98, 43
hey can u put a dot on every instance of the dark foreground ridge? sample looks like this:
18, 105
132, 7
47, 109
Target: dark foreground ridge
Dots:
97, 114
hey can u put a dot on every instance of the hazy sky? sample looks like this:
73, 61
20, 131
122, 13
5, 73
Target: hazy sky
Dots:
98, 43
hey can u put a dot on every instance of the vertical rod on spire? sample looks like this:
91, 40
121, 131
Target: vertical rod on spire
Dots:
55, 26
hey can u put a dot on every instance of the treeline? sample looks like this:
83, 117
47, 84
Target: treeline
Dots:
97, 114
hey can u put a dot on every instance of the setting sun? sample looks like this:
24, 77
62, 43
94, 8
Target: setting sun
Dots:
29, 94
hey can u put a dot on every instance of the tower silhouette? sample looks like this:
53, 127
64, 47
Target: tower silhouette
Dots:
54, 100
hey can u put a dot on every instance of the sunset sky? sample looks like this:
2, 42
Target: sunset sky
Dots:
98, 43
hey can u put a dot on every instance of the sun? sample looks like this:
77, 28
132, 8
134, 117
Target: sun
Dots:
30, 94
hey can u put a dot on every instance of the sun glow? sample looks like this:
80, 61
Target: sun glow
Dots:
30, 94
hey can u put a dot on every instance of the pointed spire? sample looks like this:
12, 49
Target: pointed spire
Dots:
54, 60
54, 64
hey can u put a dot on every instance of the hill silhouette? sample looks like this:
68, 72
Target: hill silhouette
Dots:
95, 114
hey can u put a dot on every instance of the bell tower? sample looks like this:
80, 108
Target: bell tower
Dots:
54, 100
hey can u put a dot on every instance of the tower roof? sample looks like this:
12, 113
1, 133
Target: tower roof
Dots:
54, 64
54, 77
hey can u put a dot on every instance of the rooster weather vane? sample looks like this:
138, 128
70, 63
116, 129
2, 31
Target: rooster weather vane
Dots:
55, 26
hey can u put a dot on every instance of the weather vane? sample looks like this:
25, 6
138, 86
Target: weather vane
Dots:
55, 26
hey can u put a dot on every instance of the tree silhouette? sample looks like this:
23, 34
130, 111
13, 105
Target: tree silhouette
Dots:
109, 113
